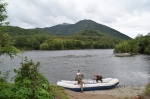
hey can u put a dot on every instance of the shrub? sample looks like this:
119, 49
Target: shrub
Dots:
6, 90
30, 84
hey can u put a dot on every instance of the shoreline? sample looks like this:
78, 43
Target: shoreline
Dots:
119, 92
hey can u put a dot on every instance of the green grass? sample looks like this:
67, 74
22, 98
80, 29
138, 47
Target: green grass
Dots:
147, 90
59, 91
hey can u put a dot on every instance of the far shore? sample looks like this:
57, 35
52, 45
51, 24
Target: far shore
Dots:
125, 54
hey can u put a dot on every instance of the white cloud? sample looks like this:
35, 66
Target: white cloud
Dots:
129, 17
133, 25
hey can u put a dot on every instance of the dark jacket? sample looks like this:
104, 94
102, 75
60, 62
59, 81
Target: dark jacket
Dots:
98, 77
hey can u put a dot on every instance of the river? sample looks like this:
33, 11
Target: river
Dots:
63, 64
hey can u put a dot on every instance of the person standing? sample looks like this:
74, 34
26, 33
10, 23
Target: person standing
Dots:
79, 78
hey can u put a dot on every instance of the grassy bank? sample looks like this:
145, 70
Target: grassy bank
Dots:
8, 91
147, 90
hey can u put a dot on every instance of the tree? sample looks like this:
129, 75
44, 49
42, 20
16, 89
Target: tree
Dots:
6, 43
123, 47
3, 12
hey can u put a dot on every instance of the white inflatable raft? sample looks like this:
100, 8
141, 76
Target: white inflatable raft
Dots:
89, 84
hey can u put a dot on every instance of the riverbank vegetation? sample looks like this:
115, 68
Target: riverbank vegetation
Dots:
30, 84
140, 44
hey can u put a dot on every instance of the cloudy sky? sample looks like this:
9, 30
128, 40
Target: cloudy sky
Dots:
131, 17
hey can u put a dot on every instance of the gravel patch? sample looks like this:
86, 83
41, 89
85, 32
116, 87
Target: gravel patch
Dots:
121, 91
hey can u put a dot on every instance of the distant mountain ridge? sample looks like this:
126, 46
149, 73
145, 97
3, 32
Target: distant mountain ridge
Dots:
15, 31
78, 28
81, 28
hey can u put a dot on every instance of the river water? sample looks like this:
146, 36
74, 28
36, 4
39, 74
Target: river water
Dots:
57, 65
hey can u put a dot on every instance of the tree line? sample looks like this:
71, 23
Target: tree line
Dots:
36, 39
45, 42
141, 44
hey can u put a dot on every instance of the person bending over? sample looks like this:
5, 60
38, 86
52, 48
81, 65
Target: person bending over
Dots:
98, 77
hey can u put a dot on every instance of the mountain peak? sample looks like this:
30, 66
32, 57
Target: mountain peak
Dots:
86, 20
65, 24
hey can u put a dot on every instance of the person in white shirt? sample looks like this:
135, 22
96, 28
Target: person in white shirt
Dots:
79, 78
78, 73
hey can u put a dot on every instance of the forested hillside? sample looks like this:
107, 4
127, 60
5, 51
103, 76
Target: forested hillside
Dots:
82, 26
